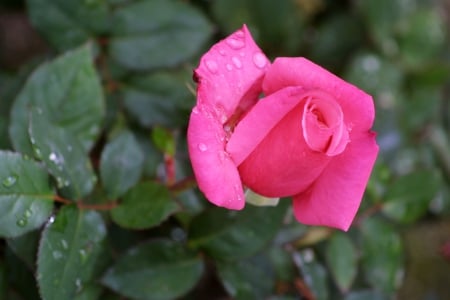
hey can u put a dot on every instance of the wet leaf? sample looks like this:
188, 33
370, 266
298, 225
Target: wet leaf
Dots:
68, 92
157, 33
156, 270
121, 164
144, 206
70, 246
26, 199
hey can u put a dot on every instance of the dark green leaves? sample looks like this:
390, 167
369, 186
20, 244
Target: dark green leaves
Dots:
228, 235
144, 206
68, 92
408, 198
161, 98
156, 270
382, 255
63, 156
121, 164
25, 195
342, 258
157, 33
69, 249
68, 23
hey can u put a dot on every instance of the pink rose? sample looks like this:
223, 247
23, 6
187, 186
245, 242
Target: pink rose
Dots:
290, 128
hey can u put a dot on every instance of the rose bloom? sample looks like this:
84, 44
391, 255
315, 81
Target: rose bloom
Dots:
287, 128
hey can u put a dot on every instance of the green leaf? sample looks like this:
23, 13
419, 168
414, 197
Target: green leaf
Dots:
68, 23
67, 90
422, 37
68, 251
164, 140
314, 273
366, 295
157, 33
145, 205
382, 255
26, 200
25, 247
229, 235
121, 164
160, 98
342, 260
283, 33
247, 279
156, 270
63, 156
408, 198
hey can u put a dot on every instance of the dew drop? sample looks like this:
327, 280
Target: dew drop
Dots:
37, 152
27, 213
235, 43
195, 110
10, 180
239, 33
259, 60
212, 66
78, 285
222, 52
64, 244
229, 67
22, 222
237, 62
202, 147
57, 254
83, 255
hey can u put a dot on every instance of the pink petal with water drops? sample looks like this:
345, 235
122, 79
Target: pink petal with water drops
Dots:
357, 106
335, 196
230, 75
217, 175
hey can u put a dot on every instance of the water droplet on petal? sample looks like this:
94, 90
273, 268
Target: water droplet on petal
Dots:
10, 181
235, 43
229, 67
259, 60
195, 110
212, 66
202, 147
237, 62
239, 33
222, 52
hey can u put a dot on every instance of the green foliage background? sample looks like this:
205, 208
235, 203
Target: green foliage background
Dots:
97, 198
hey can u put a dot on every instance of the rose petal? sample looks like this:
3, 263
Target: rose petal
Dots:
229, 77
282, 164
217, 175
264, 116
334, 198
357, 106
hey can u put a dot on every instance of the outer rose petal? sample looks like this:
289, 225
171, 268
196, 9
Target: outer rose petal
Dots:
217, 175
230, 75
357, 106
335, 196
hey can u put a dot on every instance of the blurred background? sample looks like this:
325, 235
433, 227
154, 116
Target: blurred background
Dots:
145, 51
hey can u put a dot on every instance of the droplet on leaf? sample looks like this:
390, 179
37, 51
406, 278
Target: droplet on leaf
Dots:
10, 181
